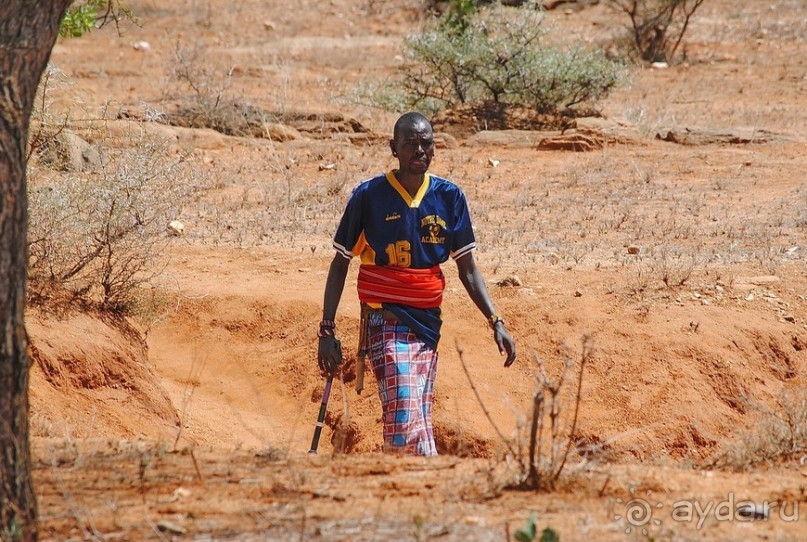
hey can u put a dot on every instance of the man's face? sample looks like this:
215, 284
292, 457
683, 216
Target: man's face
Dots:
414, 147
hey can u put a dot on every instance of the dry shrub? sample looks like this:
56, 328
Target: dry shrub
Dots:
674, 266
98, 235
553, 421
203, 89
657, 26
780, 435
228, 117
46, 124
198, 78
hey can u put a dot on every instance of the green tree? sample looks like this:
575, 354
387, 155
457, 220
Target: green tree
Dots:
495, 54
84, 15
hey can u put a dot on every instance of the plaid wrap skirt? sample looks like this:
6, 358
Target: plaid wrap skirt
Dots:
405, 369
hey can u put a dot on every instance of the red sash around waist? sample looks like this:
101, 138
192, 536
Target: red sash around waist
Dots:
419, 288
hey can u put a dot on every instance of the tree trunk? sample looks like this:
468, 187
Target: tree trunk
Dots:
28, 30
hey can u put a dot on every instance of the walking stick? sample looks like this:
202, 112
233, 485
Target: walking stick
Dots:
321, 418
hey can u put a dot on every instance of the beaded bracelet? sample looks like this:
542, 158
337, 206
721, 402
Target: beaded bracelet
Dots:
327, 328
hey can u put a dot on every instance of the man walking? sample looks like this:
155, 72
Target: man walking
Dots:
403, 225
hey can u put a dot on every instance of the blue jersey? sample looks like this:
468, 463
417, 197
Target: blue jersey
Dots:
384, 225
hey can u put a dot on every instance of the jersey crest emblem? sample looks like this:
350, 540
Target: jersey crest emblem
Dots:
432, 228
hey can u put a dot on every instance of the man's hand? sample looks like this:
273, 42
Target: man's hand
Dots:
505, 343
329, 354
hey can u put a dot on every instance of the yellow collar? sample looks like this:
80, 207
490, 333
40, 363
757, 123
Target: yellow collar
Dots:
410, 201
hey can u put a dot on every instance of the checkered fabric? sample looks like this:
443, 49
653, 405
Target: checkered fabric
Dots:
405, 369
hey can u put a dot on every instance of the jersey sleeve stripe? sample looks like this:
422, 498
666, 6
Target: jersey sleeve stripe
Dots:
464, 250
342, 250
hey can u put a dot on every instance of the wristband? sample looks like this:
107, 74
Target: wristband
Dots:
327, 328
494, 319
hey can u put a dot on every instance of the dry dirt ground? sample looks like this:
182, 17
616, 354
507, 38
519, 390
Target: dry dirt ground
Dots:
193, 421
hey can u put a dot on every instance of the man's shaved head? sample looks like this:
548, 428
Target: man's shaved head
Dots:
409, 120
412, 144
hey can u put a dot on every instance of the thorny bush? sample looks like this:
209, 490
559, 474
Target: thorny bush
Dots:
98, 235
552, 436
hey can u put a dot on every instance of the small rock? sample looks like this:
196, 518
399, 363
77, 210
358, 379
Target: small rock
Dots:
175, 227
71, 153
493, 162
762, 280
511, 281
659, 65
280, 132
168, 527
181, 492
327, 167
789, 318
445, 141
142, 46
304, 270
750, 297
268, 25
633, 249
578, 293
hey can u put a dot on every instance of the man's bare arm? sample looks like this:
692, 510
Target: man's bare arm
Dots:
474, 284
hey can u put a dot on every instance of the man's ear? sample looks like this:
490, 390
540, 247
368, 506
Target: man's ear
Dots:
392, 147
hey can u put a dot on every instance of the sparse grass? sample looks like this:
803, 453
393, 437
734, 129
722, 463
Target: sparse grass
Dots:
151, 303
644, 121
779, 435
283, 199
587, 214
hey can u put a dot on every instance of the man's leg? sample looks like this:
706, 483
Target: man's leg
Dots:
426, 403
405, 369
